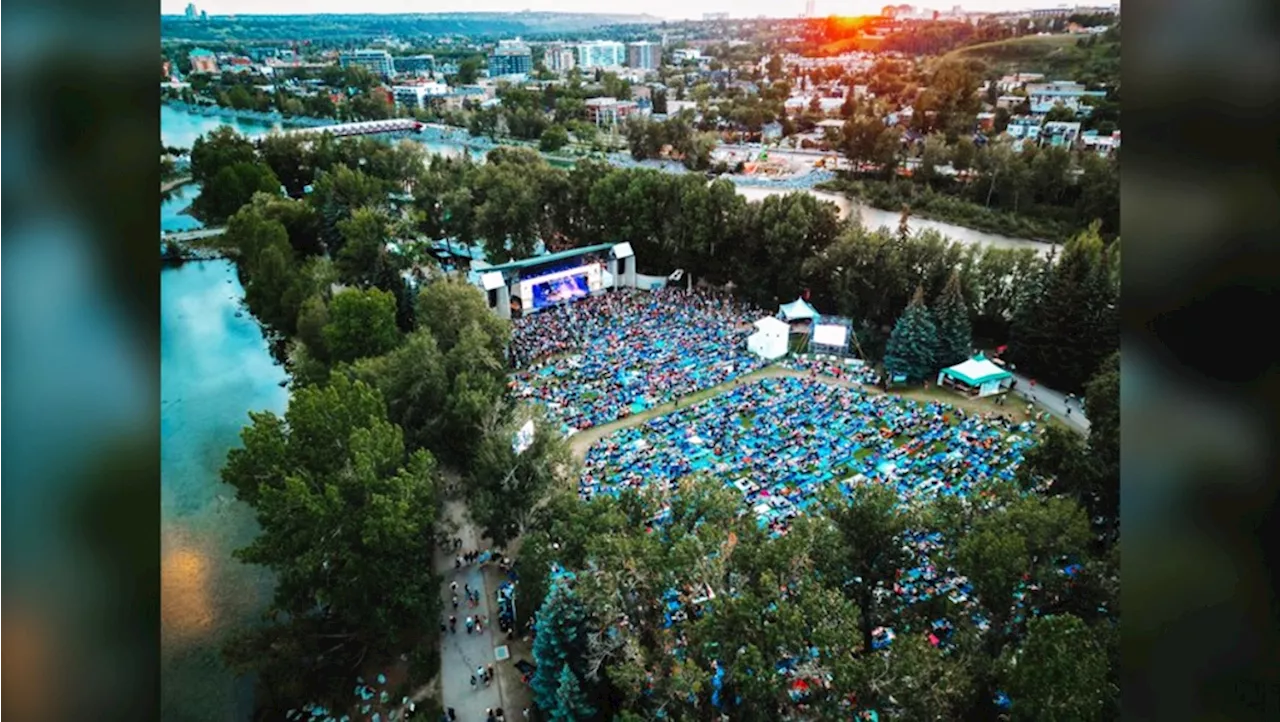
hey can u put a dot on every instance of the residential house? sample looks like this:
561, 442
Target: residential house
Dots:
1059, 93
1059, 134
203, 61
609, 111
1102, 144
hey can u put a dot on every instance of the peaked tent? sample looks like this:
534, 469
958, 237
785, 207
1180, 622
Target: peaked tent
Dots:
976, 374
797, 310
770, 339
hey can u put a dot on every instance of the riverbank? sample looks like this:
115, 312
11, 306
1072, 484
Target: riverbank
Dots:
926, 203
166, 186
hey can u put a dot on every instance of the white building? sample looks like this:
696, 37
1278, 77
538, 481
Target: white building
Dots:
559, 58
601, 54
687, 54
416, 96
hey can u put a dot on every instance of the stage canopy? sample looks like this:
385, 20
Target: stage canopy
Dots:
797, 310
770, 339
978, 373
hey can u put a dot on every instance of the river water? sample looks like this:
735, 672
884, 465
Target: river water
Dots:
215, 369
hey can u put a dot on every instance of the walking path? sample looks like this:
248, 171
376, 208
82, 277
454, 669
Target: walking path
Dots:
1054, 402
461, 653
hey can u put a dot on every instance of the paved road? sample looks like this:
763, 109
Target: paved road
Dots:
460, 652
1054, 402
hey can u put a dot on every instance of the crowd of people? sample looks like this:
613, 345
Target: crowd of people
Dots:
778, 441
608, 356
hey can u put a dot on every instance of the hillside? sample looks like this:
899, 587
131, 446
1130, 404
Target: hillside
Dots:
1088, 59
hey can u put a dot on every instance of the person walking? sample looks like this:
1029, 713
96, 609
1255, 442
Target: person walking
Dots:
489, 672
453, 624
453, 587
480, 674
471, 623
473, 681
452, 714
455, 601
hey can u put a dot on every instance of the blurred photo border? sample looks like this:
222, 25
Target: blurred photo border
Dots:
80, 353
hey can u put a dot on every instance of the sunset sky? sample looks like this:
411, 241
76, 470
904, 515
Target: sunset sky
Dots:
662, 8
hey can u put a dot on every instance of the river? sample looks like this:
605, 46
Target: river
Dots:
875, 218
215, 368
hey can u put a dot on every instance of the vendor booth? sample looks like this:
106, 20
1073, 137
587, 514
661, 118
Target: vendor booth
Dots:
976, 377
770, 339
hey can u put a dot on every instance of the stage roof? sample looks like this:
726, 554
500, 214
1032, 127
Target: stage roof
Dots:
551, 258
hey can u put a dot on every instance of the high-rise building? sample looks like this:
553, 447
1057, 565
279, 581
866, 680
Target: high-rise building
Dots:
644, 55
204, 16
808, 9
191, 11
379, 62
415, 64
559, 58
511, 57
601, 54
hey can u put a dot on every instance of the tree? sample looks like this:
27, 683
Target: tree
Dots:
951, 317
1058, 674
468, 71
338, 192
347, 522
220, 148
363, 257
868, 550
230, 188
560, 642
553, 138
447, 308
912, 347
313, 316
570, 703
361, 323
505, 486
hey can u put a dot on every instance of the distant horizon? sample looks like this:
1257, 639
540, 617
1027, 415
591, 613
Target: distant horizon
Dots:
660, 9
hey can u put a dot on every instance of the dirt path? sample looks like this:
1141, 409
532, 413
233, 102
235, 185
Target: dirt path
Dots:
581, 441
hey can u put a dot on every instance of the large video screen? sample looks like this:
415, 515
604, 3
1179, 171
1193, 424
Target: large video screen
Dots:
561, 286
830, 335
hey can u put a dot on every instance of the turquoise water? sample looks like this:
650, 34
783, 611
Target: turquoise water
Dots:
180, 130
171, 216
215, 368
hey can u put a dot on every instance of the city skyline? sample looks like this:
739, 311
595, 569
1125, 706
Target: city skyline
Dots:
666, 9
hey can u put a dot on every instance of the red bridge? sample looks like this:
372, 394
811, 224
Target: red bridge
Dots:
369, 127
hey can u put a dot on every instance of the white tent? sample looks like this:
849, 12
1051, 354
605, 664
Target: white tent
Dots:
797, 310
770, 339
977, 374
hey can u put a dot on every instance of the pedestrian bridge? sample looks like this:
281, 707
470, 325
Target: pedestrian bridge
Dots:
347, 130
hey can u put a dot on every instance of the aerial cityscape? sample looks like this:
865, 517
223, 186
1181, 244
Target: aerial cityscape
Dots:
640, 363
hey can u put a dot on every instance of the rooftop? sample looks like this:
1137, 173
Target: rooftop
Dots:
550, 258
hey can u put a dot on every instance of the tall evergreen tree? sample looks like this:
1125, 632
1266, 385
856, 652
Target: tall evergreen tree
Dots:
1063, 335
571, 703
913, 345
951, 315
561, 642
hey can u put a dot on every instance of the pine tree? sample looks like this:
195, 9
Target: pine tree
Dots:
951, 316
913, 345
570, 702
561, 641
